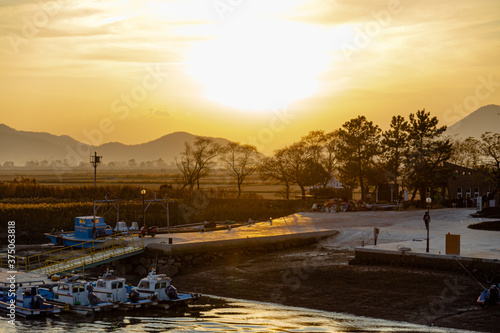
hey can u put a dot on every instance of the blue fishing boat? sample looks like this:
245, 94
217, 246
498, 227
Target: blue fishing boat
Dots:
26, 301
490, 296
87, 228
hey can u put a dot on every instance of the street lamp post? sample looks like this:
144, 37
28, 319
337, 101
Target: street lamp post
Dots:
143, 192
427, 221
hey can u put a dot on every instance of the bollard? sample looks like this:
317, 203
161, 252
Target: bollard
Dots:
362, 243
170, 240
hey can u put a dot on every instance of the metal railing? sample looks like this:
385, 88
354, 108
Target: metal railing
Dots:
84, 253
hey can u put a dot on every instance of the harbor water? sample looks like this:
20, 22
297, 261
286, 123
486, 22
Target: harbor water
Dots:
214, 314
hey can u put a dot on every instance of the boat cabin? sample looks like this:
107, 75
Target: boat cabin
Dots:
29, 298
111, 288
154, 283
72, 293
84, 227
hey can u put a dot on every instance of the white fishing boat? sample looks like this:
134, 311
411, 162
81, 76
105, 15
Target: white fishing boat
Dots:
114, 289
158, 287
76, 296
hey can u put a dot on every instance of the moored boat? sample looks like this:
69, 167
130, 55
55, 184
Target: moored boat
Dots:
87, 228
490, 296
114, 289
26, 301
158, 286
77, 296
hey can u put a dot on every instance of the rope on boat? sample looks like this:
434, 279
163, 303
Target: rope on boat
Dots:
470, 273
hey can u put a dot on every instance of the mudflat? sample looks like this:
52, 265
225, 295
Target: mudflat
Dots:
320, 278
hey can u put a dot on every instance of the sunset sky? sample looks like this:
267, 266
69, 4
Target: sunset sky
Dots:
264, 72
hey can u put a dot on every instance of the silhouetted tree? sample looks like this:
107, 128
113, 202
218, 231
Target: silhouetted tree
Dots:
240, 161
394, 147
427, 153
277, 169
320, 153
132, 163
205, 151
329, 160
314, 144
196, 161
357, 147
296, 155
489, 146
466, 152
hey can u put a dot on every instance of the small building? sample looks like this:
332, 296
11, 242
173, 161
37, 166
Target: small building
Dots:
467, 184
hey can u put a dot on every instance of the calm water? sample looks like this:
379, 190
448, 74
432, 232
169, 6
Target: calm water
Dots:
213, 314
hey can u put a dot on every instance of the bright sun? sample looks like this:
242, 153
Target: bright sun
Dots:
260, 66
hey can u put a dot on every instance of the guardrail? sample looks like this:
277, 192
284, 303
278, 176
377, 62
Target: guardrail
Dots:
116, 248
77, 255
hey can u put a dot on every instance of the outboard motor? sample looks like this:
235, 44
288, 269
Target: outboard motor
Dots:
37, 302
93, 299
134, 296
494, 294
172, 292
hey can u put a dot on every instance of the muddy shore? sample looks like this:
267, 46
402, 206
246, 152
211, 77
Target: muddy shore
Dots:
322, 279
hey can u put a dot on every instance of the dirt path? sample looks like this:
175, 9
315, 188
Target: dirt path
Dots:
322, 279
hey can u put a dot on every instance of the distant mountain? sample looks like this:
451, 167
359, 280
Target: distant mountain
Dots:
21, 147
484, 119
168, 147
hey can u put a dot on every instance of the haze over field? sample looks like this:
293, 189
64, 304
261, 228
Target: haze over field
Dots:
260, 72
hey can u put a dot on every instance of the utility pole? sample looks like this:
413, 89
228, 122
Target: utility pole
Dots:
95, 161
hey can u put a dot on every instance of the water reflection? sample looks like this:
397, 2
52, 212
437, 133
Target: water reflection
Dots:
213, 314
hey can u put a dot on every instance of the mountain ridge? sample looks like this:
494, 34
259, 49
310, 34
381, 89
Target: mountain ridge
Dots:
484, 119
20, 147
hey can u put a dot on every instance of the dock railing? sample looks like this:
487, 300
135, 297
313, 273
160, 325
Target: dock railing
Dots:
85, 253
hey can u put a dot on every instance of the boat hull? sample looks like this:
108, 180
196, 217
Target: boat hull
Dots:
27, 312
137, 305
69, 240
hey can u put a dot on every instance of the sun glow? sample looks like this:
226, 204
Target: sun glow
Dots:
260, 66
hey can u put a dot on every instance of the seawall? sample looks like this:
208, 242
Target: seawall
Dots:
170, 259
485, 270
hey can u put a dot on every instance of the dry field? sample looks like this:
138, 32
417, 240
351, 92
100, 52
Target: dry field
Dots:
151, 179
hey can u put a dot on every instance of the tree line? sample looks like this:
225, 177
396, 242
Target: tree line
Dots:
410, 155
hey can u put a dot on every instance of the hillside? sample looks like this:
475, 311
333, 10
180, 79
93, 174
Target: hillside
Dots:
484, 119
21, 147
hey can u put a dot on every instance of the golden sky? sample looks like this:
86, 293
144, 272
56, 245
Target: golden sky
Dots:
264, 72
